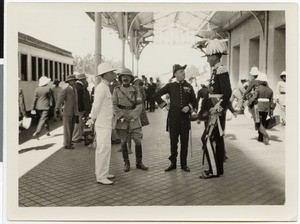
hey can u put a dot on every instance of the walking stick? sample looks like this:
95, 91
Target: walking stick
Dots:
202, 166
191, 142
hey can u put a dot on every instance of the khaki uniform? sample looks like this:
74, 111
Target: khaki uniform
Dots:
127, 101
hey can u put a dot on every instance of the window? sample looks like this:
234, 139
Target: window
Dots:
254, 52
46, 67
68, 71
235, 65
64, 70
60, 72
51, 70
24, 67
71, 69
40, 67
56, 71
33, 68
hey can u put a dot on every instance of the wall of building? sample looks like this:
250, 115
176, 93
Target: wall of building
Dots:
249, 47
242, 39
276, 47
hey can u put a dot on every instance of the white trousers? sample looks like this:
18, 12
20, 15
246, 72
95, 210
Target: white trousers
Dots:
103, 152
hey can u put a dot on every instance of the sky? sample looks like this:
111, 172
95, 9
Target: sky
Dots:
74, 31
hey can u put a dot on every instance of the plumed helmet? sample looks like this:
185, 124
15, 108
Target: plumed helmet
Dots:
212, 47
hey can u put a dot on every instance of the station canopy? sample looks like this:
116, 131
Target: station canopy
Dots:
185, 28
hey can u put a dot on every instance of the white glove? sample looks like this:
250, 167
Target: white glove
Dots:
90, 122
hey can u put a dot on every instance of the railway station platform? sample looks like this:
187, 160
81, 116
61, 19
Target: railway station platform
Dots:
254, 174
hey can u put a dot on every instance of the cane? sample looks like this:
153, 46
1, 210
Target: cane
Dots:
191, 142
202, 166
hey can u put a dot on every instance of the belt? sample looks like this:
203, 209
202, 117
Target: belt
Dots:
210, 95
126, 107
263, 100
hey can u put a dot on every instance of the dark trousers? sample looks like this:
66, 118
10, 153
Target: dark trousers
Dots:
152, 104
262, 125
43, 121
179, 126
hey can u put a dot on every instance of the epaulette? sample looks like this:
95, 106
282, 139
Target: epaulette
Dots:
222, 69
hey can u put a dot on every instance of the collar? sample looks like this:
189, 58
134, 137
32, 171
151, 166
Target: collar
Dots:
79, 82
105, 82
216, 66
183, 81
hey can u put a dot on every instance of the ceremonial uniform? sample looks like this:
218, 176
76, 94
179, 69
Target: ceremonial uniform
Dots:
219, 92
178, 123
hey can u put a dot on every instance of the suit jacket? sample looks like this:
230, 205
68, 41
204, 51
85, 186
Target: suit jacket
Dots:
43, 98
80, 96
68, 96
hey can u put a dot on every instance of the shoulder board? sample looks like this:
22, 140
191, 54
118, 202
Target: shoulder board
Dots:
222, 69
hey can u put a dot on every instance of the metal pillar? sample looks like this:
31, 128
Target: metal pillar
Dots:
98, 29
132, 66
137, 67
123, 52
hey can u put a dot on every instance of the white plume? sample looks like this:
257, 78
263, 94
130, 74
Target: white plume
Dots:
216, 46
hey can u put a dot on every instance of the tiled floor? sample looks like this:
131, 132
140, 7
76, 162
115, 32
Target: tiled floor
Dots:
254, 173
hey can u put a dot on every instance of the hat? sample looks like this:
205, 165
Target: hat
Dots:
212, 47
105, 67
44, 81
262, 77
125, 71
81, 76
56, 82
283, 74
70, 78
254, 71
177, 67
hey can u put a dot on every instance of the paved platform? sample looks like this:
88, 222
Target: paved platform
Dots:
254, 172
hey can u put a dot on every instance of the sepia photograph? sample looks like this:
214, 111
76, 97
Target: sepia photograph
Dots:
127, 110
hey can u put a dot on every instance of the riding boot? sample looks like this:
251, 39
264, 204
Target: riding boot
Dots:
139, 155
125, 157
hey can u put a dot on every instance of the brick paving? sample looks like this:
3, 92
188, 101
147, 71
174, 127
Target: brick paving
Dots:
254, 173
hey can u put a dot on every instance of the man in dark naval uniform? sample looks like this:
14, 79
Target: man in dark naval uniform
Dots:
217, 103
182, 103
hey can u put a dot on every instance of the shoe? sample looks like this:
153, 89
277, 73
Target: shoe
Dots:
225, 158
260, 140
69, 147
110, 176
36, 136
77, 141
48, 133
119, 150
105, 182
126, 167
186, 169
208, 176
171, 167
266, 140
141, 166
129, 151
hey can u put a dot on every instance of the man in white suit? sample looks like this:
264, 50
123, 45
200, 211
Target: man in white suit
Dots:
101, 117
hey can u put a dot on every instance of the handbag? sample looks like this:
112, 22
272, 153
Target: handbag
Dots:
272, 121
26, 122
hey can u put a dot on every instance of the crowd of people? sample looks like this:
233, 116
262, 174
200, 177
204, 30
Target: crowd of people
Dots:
118, 104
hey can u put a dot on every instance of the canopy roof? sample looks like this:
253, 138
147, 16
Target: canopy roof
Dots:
141, 28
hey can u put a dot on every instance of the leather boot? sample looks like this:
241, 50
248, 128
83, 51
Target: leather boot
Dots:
127, 166
139, 155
